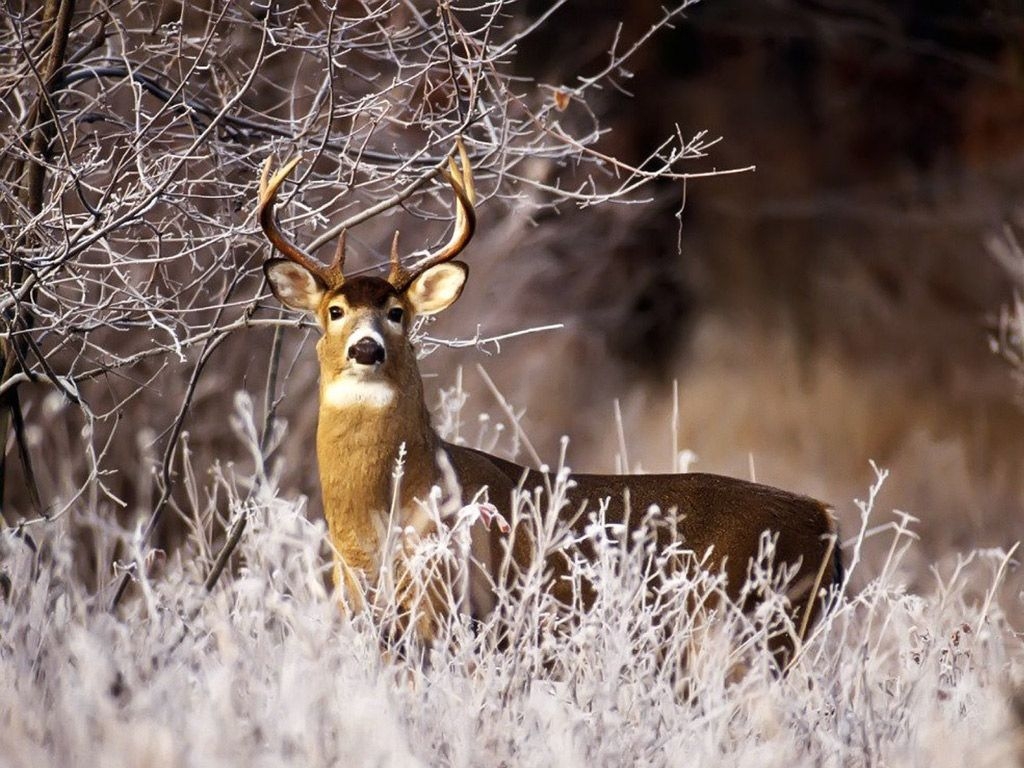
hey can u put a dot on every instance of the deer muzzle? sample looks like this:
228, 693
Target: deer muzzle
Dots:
367, 351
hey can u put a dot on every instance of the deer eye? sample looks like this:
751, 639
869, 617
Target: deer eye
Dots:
395, 314
335, 313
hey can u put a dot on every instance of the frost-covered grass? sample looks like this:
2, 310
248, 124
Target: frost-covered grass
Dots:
266, 670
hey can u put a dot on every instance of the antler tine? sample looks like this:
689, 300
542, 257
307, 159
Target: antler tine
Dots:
461, 182
338, 264
397, 275
269, 187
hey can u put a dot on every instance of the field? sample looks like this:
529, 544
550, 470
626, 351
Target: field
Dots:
265, 670
783, 236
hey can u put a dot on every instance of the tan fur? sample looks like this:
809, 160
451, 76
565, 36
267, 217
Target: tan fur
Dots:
710, 514
358, 448
363, 430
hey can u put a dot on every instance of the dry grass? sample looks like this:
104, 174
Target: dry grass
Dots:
266, 671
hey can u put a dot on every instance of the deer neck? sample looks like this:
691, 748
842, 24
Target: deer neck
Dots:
359, 445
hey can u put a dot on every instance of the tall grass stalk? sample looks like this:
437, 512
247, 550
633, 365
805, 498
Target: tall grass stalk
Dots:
267, 670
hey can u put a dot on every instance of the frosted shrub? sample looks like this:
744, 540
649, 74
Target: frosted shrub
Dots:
267, 670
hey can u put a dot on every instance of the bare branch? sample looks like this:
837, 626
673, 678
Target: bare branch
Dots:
131, 141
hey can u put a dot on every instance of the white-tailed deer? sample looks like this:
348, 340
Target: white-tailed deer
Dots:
372, 406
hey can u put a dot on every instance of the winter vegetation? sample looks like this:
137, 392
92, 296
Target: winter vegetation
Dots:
265, 670
165, 591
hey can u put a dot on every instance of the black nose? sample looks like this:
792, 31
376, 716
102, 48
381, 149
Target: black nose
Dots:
366, 351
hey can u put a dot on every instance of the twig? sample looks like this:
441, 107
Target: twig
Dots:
383, 205
511, 415
481, 341
57, 16
165, 472
238, 526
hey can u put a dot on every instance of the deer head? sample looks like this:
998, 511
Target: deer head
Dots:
365, 354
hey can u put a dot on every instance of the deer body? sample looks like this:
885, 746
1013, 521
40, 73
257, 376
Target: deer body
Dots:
373, 412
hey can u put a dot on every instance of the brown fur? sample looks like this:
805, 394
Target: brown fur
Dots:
357, 446
708, 513
359, 443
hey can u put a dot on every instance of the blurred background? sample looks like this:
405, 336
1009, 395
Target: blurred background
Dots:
834, 306
840, 303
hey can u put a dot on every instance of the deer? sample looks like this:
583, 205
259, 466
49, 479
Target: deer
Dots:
373, 413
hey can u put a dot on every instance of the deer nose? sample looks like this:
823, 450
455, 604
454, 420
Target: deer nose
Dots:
366, 351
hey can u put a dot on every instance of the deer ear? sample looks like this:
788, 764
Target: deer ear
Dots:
294, 286
437, 288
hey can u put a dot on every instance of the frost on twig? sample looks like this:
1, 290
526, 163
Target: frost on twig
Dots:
135, 288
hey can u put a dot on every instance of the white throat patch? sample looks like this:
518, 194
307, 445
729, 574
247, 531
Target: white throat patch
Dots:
345, 392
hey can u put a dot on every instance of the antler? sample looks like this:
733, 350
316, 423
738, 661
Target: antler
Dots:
461, 182
330, 275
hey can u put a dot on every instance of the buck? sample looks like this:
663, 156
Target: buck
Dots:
372, 409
